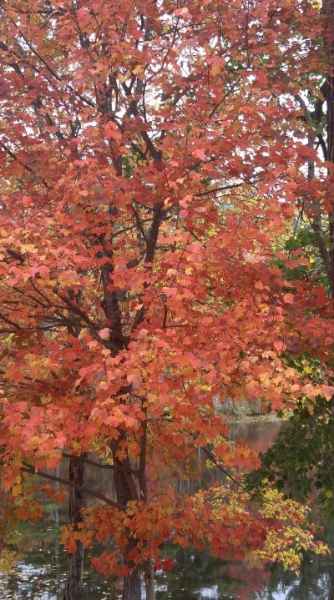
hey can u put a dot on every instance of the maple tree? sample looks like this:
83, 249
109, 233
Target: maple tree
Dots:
149, 158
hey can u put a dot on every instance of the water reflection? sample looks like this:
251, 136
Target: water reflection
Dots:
41, 576
195, 576
257, 434
43, 572
315, 581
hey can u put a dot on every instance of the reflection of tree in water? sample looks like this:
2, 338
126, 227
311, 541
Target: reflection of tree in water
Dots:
315, 582
43, 572
300, 462
195, 571
302, 442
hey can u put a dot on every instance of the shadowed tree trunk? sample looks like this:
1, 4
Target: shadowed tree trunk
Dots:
331, 583
132, 587
322, 121
328, 91
149, 582
76, 503
127, 490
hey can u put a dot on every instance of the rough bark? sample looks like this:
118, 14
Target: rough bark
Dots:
76, 503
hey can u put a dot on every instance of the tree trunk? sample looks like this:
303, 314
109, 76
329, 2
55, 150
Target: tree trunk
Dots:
331, 583
73, 586
149, 582
126, 490
328, 12
76, 503
132, 586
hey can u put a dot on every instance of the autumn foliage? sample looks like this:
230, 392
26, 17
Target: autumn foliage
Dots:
152, 156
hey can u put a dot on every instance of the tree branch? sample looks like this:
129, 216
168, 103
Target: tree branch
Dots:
33, 471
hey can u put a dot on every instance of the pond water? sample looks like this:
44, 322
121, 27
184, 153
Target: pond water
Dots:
41, 573
196, 576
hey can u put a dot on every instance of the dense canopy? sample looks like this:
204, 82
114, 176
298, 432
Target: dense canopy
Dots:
155, 156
